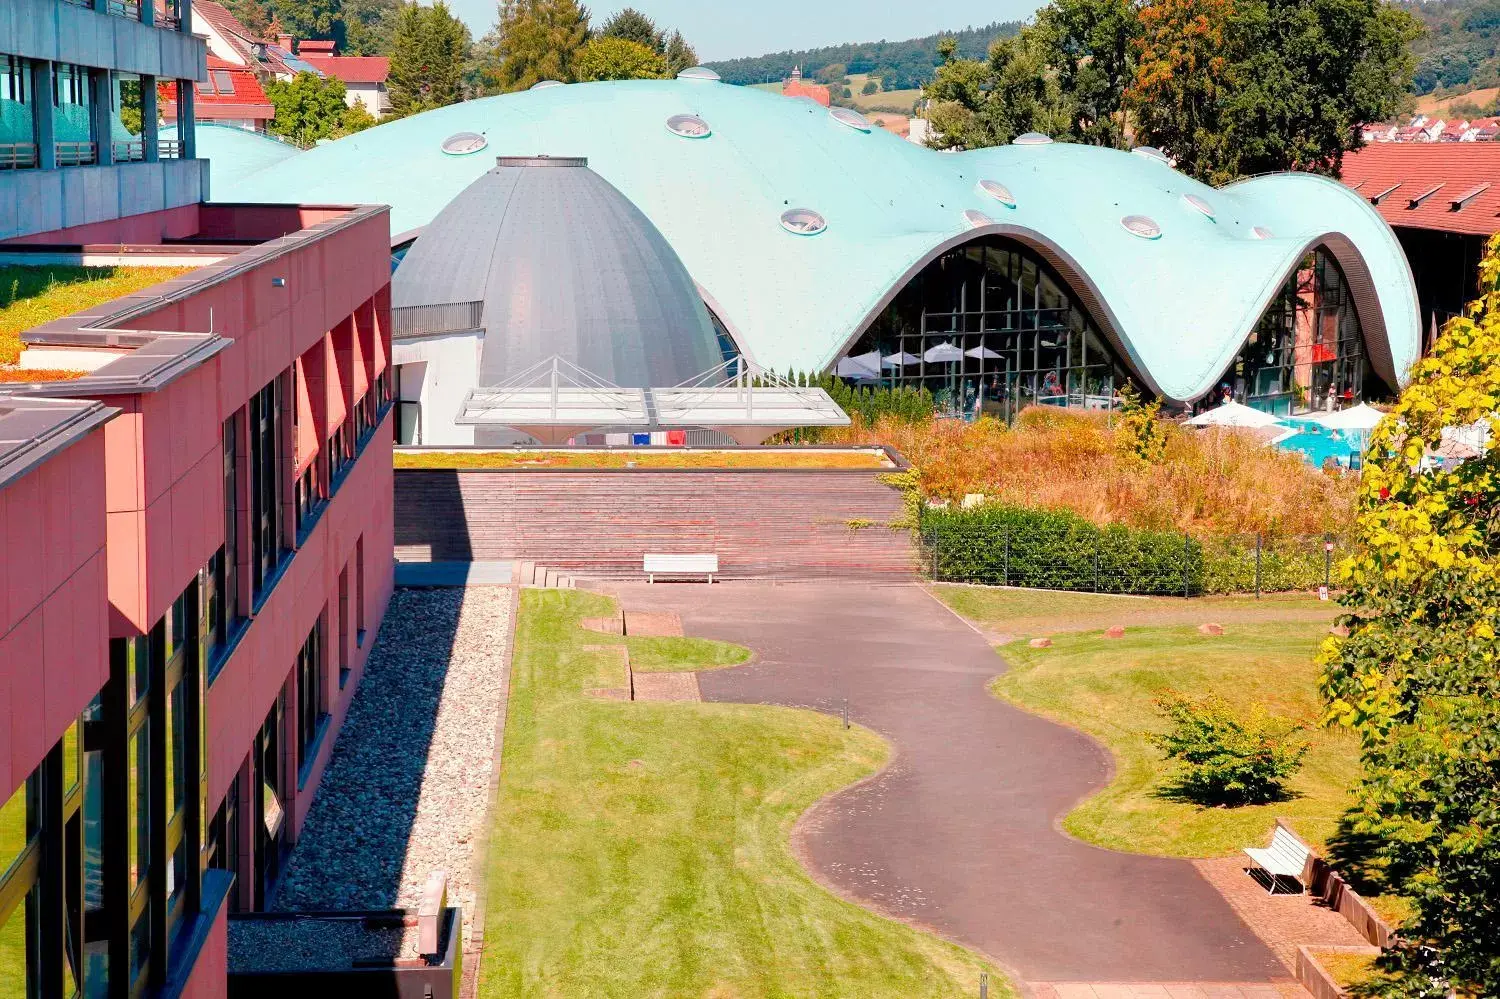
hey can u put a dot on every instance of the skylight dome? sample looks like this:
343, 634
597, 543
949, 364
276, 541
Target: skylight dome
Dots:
689, 126
803, 222
698, 73
1151, 153
1031, 139
1141, 225
464, 143
544, 84
998, 191
1197, 204
1261, 232
850, 117
977, 220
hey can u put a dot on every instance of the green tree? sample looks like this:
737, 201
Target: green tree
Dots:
633, 26
833, 73
1309, 73
253, 14
308, 107
368, 26
609, 58
1182, 82
680, 55
1418, 676
974, 103
305, 18
356, 118
430, 48
536, 40
1090, 45
872, 86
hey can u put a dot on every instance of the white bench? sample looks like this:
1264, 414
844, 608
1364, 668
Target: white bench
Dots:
1286, 857
680, 565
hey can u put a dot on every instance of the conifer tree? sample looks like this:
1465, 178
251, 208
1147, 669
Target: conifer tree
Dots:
538, 40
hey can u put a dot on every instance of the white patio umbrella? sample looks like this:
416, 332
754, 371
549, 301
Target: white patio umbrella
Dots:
943, 353
900, 359
859, 366
1361, 417
1233, 414
982, 353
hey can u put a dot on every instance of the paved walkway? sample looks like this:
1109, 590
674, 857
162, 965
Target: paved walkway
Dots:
959, 833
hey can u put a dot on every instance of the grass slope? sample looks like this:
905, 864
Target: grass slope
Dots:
642, 849
31, 296
1106, 687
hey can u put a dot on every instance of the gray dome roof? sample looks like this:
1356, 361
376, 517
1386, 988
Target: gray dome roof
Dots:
564, 264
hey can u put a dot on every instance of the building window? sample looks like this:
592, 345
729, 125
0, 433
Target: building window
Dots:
230, 559
269, 808
222, 851
20, 864
340, 452
125, 125
308, 497
311, 701
1020, 337
72, 115
17, 114
266, 462
359, 590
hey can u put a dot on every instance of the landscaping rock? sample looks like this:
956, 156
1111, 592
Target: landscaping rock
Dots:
1040, 643
1211, 629
1115, 631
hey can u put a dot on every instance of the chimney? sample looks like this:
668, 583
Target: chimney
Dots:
287, 42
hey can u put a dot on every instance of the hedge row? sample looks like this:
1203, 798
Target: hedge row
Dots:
1057, 550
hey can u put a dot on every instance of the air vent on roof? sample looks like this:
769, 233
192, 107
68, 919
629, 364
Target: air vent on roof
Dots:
977, 220
1415, 202
698, 73
1261, 232
998, 191
1376, 199
541, 161
803, 222
1468, 196
1141, 225
850, 117
544, 84
1199, 205
689, 126
1151, 153
464, 143
1031, 139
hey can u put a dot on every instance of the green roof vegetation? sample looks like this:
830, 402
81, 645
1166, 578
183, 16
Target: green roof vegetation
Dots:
33, 296
644, 848
641, 459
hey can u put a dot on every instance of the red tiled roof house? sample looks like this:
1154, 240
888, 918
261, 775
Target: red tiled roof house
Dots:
364, 76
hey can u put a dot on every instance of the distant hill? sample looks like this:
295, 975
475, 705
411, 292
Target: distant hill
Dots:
899, 65
1461, 49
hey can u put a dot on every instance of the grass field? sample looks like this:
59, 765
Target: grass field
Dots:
1432, 104
1106, 687
668, 655
896, 101
31, 296
642, 849
642, 459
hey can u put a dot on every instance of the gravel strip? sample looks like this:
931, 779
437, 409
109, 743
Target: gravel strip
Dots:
407, 785
315, 944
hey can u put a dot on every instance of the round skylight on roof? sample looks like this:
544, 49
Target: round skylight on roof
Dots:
544, 84
803, 222
1261, 232
1141, 225
1197, 204
1031, 139
850, 117
977, 220
998, 191
464, 143
1151, 153
689, 126
698, 73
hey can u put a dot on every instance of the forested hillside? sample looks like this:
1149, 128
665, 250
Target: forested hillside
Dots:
1461, 50
899, 65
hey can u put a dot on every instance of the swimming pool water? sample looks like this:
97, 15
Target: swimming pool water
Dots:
1317, 444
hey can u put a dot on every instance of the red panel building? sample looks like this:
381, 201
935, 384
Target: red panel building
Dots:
197, 539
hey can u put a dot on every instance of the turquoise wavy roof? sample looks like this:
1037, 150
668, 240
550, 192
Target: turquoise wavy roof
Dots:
233, 153
1178, 307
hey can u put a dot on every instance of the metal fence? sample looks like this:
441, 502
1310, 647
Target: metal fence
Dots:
449, 317
1127, 562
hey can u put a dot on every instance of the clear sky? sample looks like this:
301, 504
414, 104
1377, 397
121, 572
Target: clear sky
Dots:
724, 29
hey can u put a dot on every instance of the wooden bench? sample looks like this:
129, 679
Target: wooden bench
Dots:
679, 565
1286, 857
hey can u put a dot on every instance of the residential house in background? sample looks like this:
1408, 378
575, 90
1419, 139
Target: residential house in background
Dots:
364, 76
230, 96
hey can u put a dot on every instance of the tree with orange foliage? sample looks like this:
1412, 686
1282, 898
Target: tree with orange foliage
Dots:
1182, 77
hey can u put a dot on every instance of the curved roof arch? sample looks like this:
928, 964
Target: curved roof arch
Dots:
233, 152
1179, 306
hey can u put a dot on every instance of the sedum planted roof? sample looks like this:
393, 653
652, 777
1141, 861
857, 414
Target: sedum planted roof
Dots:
1178, 306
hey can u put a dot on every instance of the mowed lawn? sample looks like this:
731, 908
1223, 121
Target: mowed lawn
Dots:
643, 849
1106, 688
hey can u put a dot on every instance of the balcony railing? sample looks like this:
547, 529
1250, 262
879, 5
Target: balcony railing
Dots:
125, 8
17, 155
132, 151
169, 149
167, 15
81, 3
75, 153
